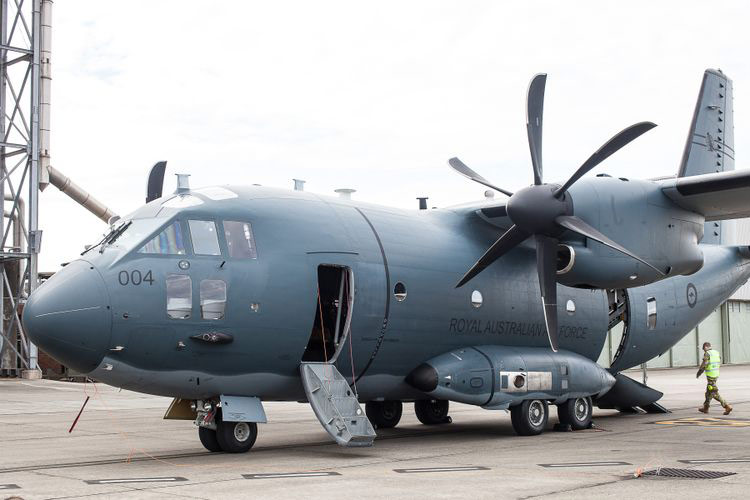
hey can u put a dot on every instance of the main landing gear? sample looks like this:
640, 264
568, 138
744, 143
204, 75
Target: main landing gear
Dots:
384, 414
530, 417
432, 411
576, 413
230, 437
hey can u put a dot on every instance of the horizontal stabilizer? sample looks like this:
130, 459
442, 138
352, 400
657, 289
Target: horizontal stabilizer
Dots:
628, 393
717, 196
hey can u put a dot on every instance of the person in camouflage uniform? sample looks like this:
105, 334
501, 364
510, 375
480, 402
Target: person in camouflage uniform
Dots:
711, 362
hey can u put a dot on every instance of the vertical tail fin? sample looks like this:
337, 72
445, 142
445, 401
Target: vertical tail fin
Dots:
710, 141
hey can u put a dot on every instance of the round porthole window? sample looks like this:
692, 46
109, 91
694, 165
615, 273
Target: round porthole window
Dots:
570, 307
399, 292
476, 298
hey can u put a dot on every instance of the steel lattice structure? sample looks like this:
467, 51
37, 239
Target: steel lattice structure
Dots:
24, 157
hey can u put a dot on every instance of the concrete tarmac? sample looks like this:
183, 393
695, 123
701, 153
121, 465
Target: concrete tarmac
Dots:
121, 448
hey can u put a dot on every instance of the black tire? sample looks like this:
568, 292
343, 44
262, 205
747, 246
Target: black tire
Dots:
530, 417
576, 412
432, 411
236, 437
384, 414
208, 439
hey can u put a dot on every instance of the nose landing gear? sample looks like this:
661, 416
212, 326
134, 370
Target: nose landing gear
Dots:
217, 435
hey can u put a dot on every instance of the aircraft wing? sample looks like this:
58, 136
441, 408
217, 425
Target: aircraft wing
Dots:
718, 196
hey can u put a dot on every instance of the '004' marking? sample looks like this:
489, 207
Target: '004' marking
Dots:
135, 277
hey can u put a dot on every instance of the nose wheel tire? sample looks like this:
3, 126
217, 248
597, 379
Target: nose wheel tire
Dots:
530, 417
384, 414
208, 439
576, 412
432, 411
236, 437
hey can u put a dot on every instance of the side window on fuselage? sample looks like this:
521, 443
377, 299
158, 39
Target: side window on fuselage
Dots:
204, 237
213, 299
651, 313
179, 296
168, 242
240, 240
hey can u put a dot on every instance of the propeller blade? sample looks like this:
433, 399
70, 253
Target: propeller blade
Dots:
155, 181
534, 112
509, 240
464, 170
608, 149
577, 225
546, 267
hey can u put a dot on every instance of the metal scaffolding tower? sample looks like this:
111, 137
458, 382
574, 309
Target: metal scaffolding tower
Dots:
24, 158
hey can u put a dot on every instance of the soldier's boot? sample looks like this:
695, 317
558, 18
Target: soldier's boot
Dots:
727, 409
703, 409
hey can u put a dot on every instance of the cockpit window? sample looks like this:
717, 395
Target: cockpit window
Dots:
240, 240
203, 234
131, 233
179, 296
213, 299
168, 242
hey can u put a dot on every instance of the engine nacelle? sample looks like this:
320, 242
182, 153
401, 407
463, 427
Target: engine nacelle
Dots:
637, 215
498, 377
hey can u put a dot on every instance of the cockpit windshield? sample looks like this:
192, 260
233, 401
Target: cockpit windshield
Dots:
133, 232
168, 242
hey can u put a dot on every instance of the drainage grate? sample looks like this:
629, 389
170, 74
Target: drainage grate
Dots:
687, 473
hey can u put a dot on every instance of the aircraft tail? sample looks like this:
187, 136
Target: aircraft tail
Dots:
710, 142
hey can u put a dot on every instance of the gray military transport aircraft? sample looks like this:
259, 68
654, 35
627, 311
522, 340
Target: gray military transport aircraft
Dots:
225, 297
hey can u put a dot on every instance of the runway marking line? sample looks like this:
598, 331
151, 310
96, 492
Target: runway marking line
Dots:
717, 461
585, 464
283, 475
439, 469
136, 480
706, 422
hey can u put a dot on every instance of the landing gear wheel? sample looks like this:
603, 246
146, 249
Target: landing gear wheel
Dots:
236, 437
530, 417
576, 413
208, 439
384, 414
432, 411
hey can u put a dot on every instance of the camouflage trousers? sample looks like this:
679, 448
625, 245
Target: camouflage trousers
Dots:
712, 392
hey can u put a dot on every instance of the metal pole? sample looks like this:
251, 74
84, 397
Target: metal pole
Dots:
3, 59
34, 234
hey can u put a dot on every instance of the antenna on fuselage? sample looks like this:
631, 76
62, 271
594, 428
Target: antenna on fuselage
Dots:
183, 183
345, 193
299, 184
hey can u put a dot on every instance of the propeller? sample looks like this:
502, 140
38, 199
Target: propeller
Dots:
155, 181
545, 211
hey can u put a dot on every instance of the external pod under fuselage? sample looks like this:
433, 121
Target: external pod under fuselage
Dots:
498, 377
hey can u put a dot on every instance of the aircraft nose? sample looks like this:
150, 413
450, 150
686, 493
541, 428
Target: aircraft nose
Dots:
68, 317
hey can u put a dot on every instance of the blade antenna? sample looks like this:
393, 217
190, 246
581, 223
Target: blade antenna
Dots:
155, 181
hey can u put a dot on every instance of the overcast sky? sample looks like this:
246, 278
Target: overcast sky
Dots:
374, 96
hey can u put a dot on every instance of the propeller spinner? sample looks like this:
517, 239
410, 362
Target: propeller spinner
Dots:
545, 211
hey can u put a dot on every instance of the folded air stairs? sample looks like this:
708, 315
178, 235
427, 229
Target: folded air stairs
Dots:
336, 405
